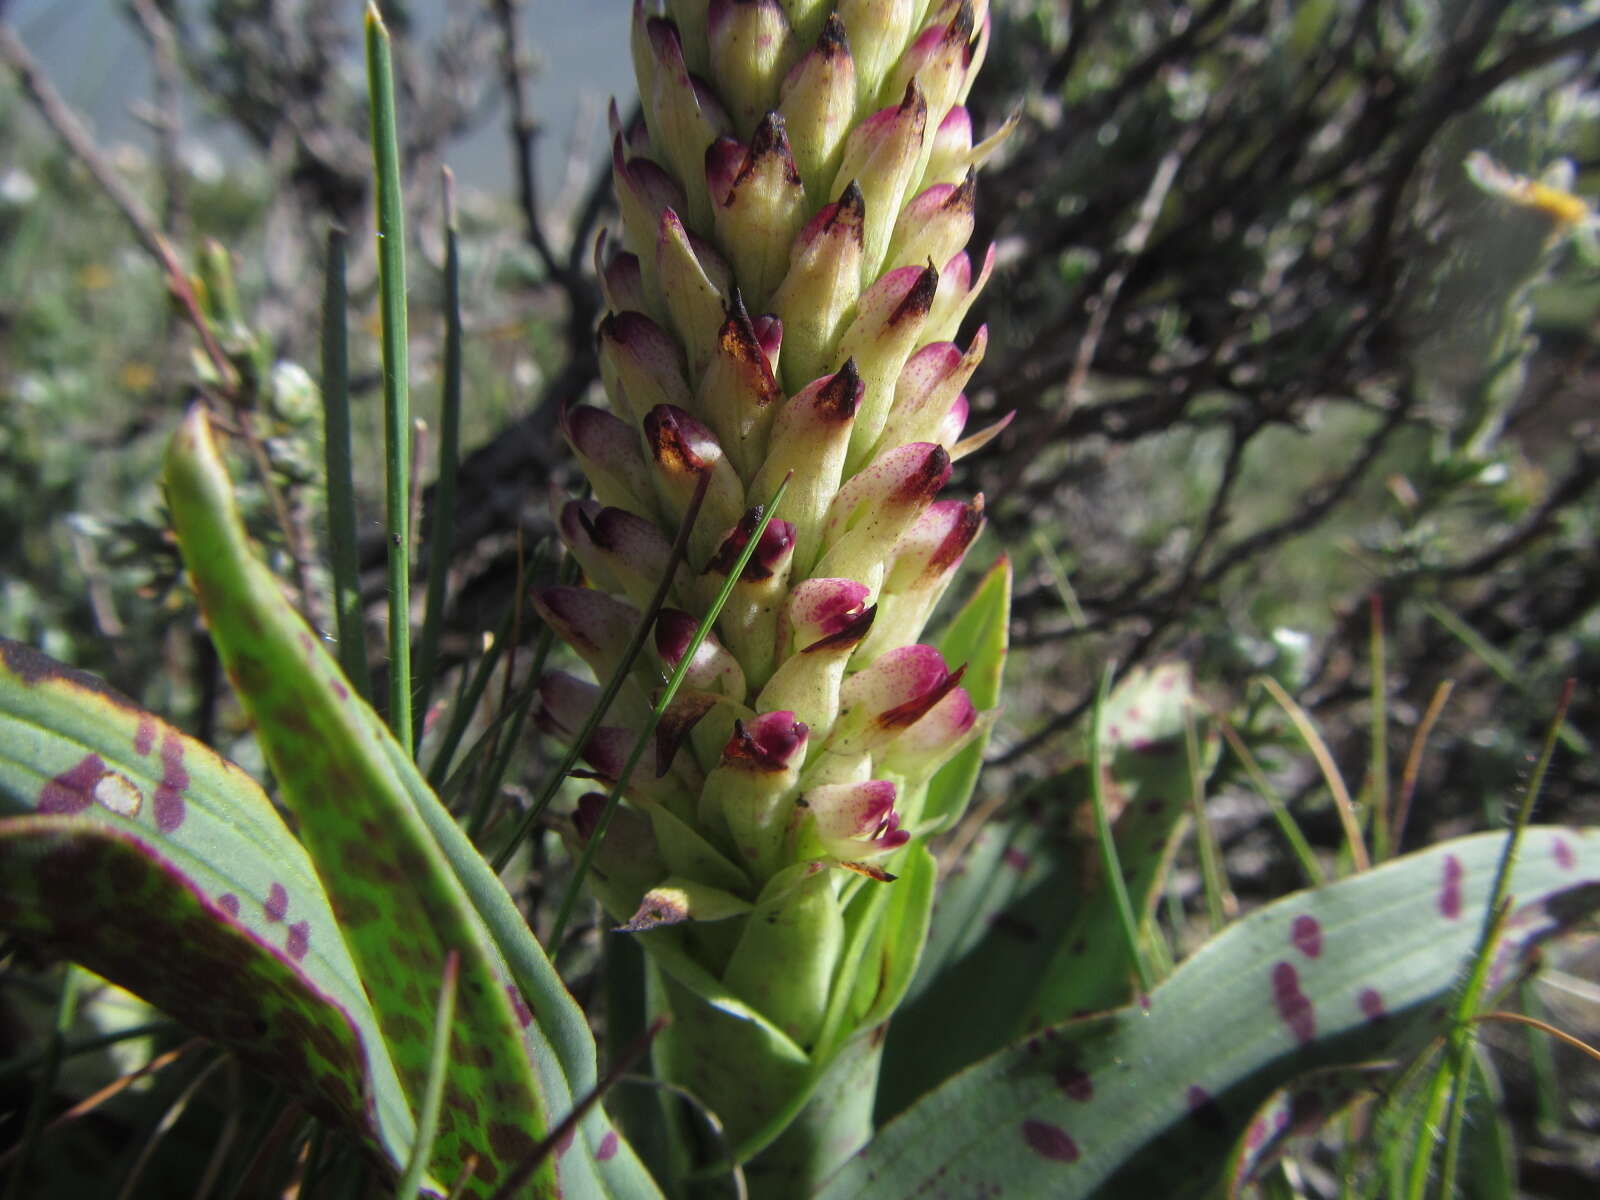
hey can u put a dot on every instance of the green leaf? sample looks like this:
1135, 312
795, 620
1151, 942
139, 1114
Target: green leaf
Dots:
977, 636
393, 863
899, 937
1024, 933
153, 861
1151, 1099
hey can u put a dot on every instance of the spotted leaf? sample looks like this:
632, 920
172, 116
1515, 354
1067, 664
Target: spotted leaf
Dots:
1150, 1100
139, 852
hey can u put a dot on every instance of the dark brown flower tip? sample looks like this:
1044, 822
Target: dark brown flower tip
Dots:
925, 481
670, 431
682, 715
770, 145
834, 41
839, 398
657, 910
967, 526
919, 300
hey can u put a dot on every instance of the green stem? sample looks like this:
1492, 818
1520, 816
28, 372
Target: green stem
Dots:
396, 383
1378, 788
441, 540
339, 472
433, 1089
1107, 841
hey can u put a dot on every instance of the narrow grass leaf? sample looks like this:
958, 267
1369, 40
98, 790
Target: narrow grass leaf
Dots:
396, 367
441, 537
433, 1092
1110, 865
1342, 803
339, 470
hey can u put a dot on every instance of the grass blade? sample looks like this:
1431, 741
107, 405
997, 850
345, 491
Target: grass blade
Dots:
396, 381
1378, 782
1454, 1079
1109, 860
1330, 772
1304, 854
441, 539
433, 1092
340, 474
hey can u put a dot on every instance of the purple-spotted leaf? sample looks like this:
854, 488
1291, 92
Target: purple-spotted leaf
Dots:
1024, 932
141, 853
381, 852
1150, 1100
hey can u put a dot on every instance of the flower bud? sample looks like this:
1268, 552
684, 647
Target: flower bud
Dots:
750, 793
934, 739
566, 703
847, 822
878, 31
957, 290
594, 624
621, 281
683, 449
928, 387
713, 668
752, 47
758, 206
643, 189
641, 365
925, 560
695, 284
682, 112
809, 440
618, 550
876, 506
608, 450
677, 899
749, 619
882, 154
823, 623
818, 102
888, 697
817, 298
888, 321
935, 225
738, 394
937, 61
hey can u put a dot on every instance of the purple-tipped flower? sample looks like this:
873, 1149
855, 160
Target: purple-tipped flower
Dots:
849, 822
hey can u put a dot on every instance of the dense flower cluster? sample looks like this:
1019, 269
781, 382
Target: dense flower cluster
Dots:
790, 271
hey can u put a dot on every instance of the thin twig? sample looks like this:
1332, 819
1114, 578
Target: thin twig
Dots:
64, 123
